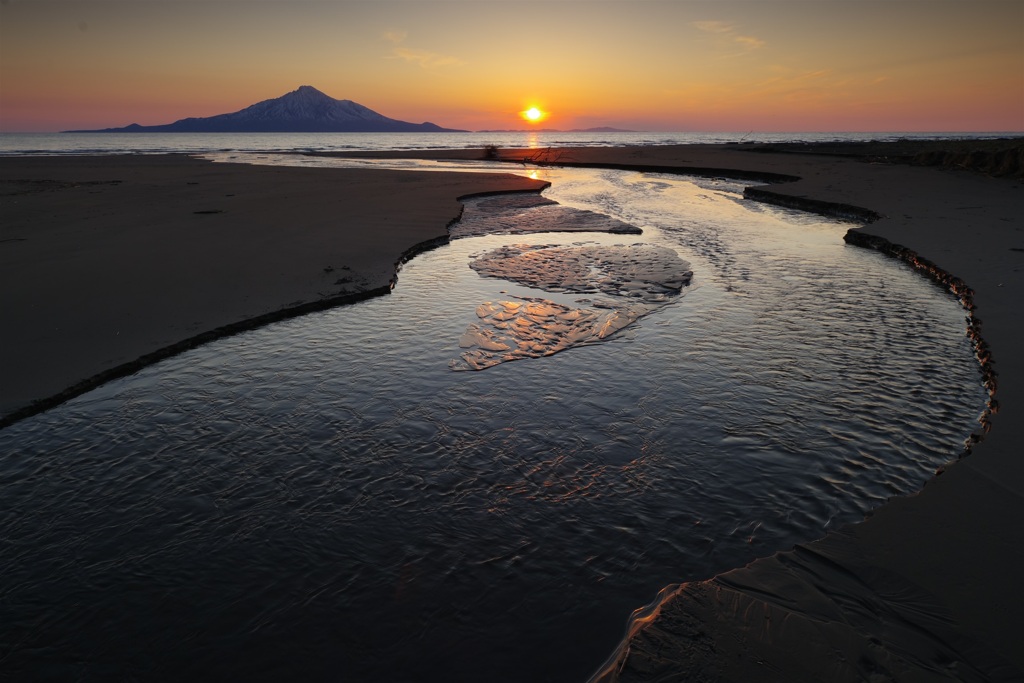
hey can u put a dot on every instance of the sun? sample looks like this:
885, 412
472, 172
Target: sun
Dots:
533, 115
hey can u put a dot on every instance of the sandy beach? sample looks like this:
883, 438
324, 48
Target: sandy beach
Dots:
110, 263
928, 587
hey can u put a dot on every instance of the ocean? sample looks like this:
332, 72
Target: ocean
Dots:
156, 143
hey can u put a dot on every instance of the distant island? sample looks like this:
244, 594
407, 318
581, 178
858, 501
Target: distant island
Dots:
306, 110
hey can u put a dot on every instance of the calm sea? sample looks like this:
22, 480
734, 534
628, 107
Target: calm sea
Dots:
153, 143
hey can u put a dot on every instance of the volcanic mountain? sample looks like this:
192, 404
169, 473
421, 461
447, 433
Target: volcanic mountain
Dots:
306, 110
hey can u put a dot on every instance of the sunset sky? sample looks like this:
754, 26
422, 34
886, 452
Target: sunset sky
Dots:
681, 65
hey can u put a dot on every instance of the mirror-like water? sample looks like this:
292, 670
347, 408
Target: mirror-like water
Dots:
325, 499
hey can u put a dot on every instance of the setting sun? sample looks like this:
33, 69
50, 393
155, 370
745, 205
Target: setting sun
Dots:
533, 114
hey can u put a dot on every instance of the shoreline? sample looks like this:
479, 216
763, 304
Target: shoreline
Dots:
627, 664
152, 248
926, 587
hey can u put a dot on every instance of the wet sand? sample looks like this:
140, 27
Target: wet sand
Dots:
929, 587
108, 264
97, 274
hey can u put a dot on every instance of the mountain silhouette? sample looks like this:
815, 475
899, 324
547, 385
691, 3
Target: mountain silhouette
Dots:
306, 110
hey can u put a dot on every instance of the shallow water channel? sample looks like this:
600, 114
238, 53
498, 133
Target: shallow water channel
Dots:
325, 499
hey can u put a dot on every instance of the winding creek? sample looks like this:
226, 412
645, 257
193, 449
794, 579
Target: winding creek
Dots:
326, 499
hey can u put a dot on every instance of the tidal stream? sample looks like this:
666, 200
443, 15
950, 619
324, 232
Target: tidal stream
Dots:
326, 499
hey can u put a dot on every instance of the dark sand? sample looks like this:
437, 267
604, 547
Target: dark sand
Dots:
96, 275
110, 263
930, 586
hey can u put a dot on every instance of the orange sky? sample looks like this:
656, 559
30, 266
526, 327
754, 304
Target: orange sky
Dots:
680, 65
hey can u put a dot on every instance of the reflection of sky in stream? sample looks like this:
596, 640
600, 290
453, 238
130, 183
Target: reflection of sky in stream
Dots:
323, 499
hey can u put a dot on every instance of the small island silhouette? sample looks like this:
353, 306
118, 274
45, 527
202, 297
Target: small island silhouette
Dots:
305, 110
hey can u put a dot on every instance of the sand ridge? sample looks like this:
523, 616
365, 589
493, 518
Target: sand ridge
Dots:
110, 263
928, 587
621, 283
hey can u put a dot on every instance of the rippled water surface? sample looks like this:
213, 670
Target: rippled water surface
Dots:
324, 499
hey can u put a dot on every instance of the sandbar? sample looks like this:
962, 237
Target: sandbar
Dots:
929, 586
110, 263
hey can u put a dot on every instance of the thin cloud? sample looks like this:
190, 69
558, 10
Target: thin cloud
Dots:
713, 26
424, 58
749, 42
727, 32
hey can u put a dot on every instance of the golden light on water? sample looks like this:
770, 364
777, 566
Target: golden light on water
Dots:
507, 331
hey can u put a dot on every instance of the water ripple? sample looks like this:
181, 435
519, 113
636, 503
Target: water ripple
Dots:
322, 499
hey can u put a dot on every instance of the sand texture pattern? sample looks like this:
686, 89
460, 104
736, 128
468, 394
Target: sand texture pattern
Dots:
109, 263
928, 588
629, 281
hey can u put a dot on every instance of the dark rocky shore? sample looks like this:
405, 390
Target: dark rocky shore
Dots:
1001, 158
